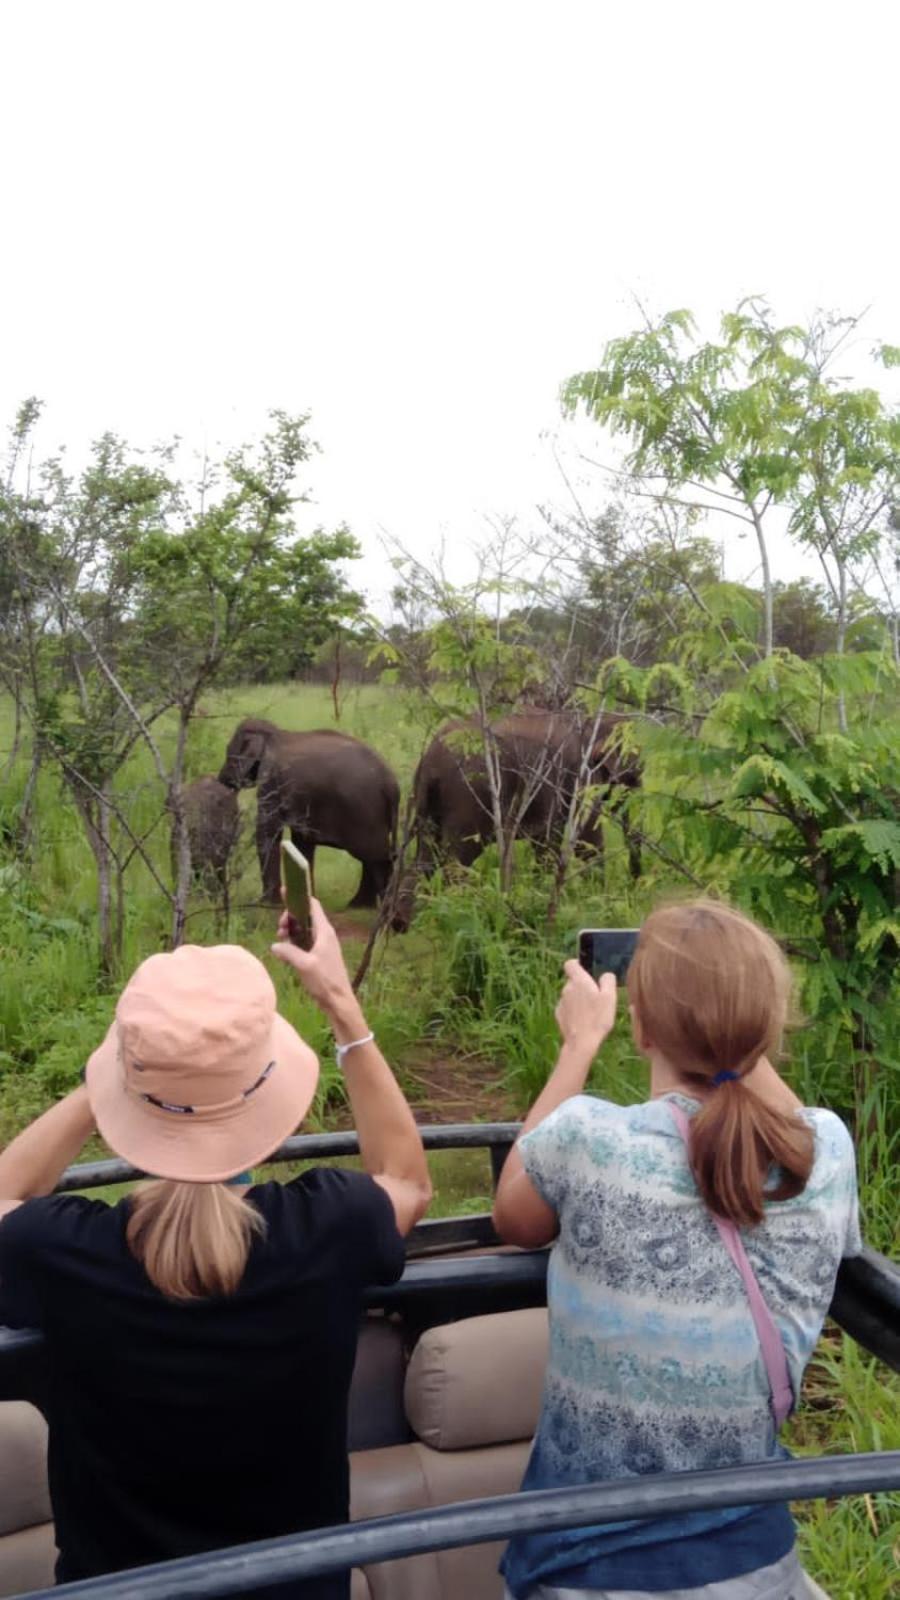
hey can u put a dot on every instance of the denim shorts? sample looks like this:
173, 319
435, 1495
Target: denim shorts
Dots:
784, 1580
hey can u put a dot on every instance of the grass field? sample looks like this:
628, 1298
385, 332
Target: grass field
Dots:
463, 1008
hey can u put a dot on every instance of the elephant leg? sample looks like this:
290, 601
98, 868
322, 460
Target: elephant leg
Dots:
268, 838
635, 862
372, 884
467, 849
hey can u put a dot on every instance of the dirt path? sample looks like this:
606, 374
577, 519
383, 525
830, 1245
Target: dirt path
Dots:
440, 1088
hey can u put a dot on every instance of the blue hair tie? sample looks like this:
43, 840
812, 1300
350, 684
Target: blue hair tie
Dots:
724, 1077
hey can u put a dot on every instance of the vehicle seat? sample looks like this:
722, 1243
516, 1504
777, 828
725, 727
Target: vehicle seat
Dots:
472, 1398
27, 1546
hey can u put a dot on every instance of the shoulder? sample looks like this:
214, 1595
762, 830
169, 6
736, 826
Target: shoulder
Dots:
834, 1163
323, 1193
345, 1213
584, 1129
599, 1128
832, 1136
36, 1224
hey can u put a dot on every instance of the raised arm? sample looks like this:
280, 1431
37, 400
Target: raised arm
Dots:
585, 1014
35, 1160
389, 1141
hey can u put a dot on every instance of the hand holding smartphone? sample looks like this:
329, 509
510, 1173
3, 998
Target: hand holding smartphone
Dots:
607, 950
296, 885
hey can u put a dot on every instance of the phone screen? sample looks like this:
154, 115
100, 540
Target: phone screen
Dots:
607, 950
295, 878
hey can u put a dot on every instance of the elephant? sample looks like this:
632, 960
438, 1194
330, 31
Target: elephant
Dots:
539, 755
213, 822
327, 788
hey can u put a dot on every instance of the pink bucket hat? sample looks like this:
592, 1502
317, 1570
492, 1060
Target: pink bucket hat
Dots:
199, 1077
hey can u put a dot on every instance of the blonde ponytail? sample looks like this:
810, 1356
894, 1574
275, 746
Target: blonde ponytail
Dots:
192, 1239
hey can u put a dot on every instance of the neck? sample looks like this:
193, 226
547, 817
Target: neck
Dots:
762, 1079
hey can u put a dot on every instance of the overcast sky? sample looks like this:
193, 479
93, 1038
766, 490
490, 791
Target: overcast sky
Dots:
416, 219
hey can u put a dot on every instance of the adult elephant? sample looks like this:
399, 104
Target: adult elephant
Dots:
213, 819
540, 757
327, 787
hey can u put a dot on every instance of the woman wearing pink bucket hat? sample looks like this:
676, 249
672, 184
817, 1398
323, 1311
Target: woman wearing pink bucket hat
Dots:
201, 1333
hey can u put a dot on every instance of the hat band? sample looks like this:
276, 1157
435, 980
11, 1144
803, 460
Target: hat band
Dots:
205, 1111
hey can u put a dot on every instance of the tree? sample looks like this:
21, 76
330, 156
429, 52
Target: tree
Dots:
138, 602
756, 420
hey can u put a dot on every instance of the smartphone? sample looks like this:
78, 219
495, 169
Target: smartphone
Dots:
607, 950
295, 881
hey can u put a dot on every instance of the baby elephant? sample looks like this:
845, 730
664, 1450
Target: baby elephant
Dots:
213, 820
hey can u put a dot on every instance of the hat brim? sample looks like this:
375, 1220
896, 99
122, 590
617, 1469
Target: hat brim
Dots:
198, 1149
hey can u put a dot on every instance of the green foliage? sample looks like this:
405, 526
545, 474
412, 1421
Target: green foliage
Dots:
753, 420
851, 1404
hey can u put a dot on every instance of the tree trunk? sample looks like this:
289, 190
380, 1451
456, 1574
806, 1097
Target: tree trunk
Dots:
336, 679
842, 638
181, 849
768, 599
26, 814
16, 745
94, 815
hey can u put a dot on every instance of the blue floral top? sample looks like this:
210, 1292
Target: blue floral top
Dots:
654, 1360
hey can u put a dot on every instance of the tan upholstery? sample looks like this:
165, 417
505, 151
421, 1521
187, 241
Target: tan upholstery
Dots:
27, 1549
473, 1393
24, 1496
27, 1560
478, 1382
413, 1477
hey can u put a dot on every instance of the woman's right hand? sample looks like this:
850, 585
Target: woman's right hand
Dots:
321, 970
587, 1010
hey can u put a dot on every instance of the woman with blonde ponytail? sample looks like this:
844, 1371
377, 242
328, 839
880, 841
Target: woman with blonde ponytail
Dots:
697, 1240
201, 1333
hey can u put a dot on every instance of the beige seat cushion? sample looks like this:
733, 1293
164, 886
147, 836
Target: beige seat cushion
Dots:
27, 1560
478, 1382
27, 1547
24, 1495
412, 1478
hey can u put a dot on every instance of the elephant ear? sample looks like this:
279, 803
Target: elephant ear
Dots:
252, 749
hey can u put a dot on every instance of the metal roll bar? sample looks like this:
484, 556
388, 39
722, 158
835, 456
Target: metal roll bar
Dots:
866, 1301
274, 1563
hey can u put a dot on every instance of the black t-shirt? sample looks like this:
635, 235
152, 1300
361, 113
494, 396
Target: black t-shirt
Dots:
179, 1427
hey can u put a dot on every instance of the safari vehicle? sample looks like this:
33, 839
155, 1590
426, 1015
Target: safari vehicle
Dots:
443, 1406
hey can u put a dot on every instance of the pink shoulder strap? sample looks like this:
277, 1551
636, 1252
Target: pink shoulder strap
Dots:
781, 1394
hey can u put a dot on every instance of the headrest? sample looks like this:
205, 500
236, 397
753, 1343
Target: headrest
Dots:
24, 1496
478, 1382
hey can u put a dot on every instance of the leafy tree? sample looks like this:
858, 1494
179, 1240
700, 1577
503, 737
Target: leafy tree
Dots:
749, 422
138, 602
756, 793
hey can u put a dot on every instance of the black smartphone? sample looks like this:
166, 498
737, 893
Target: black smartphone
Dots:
295, 880
607, 950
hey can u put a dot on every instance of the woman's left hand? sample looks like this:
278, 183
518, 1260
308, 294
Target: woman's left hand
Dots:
587, 1009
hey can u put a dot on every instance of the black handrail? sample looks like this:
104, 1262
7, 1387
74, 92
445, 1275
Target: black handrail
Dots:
311, 1147
866, 1301
273, 1563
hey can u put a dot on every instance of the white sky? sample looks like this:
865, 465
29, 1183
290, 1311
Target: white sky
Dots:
416, 219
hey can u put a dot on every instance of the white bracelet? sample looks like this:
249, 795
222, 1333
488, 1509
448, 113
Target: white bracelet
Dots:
340, 1050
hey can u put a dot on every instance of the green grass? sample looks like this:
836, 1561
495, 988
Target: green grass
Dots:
476, 978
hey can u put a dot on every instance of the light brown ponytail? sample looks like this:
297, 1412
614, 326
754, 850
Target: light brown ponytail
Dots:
192, 1239
710, 992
